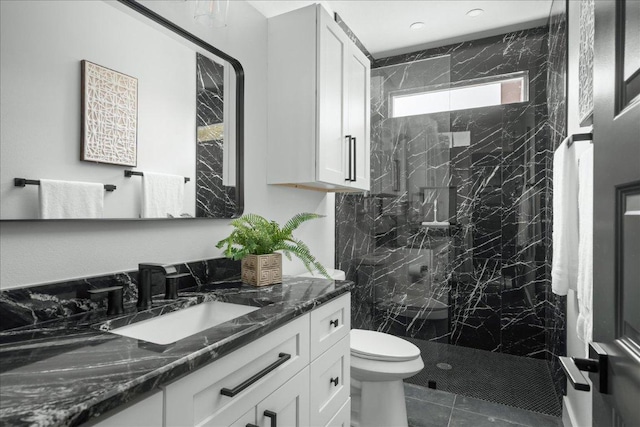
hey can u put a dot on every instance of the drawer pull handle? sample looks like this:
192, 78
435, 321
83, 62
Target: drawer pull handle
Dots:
334, 381
251, 425
334, 322
282, 357
273, 416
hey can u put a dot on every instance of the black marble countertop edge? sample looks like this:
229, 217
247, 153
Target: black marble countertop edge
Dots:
85, 408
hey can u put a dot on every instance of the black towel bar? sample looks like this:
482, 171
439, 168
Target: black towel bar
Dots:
21, 182
128, 174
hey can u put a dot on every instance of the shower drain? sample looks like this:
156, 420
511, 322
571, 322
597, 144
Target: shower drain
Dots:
444, 366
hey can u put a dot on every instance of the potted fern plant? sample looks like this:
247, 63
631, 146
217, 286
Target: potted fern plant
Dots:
256, 242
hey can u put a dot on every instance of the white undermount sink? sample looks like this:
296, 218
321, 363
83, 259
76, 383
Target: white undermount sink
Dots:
172, 327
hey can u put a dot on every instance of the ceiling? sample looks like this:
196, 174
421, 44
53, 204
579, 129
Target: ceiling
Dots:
383, 25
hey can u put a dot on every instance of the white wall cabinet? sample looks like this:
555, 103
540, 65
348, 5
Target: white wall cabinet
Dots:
297, 375
319, 112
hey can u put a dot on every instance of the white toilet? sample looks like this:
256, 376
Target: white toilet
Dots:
379, 363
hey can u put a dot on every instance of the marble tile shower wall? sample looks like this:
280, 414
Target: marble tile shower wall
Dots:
557, 105
484, 281
213, 198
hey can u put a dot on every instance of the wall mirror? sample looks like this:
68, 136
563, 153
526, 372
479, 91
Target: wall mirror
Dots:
184, 110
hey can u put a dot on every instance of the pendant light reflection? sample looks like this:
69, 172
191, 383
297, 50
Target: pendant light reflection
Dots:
212, 13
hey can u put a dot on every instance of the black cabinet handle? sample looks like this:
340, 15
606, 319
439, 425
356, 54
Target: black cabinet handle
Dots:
355, 160
334, 381
348, 138
334, 323
282, 357
273, 416
251, 425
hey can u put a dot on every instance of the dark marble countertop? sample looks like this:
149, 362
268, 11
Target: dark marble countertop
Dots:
68, 371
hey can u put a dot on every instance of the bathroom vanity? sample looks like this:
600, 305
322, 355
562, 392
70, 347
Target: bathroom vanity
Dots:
286, 362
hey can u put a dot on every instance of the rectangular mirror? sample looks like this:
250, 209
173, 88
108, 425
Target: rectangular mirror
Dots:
151, 98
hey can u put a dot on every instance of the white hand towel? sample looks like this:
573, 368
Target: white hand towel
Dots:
564, 269
68, 199
585, 246
162, 195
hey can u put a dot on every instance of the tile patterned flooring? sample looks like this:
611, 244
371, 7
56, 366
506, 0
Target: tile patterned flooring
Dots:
435, 408
521, 382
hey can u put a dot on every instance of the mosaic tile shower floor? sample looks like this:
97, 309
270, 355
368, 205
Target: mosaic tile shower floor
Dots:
516, 381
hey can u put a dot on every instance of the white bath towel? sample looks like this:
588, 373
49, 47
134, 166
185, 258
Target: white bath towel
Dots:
162, 195
585, 245
564, 270
69, 199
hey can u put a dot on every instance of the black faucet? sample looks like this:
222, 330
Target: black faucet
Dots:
145, 271
114, 297
171, 285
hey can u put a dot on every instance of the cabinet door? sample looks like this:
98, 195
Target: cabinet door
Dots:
146, 413
359, 72
332, 142
329, 324
288, 405
343, 417
330, 383
248, 419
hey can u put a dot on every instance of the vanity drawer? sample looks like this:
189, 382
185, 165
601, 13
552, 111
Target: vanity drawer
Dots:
343, 417
330, 383
329, 324
197, 399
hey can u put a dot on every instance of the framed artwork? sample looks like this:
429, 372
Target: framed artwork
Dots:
109, 116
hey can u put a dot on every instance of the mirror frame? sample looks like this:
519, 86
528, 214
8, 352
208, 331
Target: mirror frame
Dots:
239, 113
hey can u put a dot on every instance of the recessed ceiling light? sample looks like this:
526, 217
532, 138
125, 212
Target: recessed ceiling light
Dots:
475, 12
417, 25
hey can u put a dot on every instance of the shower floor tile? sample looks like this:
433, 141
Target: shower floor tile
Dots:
485, 376
461, 411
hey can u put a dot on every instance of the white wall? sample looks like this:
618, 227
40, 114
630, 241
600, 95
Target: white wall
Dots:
577, 404
40, 252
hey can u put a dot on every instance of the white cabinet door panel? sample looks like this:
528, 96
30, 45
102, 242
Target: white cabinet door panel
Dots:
289, 405
330, 382
359, 116
329, 324
332, 81
343, 417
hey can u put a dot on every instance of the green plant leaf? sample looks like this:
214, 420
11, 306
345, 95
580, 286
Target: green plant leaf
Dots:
255, 235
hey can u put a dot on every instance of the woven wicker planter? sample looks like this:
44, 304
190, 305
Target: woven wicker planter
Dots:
261, 270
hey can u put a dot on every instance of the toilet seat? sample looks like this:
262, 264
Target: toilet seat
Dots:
379, 346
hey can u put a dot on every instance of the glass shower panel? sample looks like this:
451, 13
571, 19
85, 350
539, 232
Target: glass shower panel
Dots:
410, 206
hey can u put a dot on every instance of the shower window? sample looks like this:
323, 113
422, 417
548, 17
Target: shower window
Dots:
496, 90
